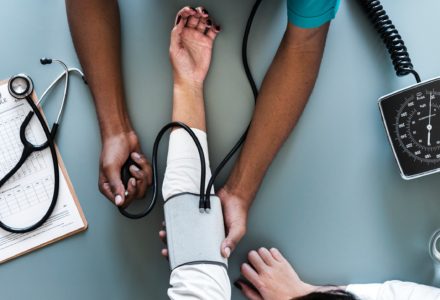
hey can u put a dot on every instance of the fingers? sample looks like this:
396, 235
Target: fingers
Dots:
180, 22
194, 19
143, 175
163, 236
131, 190
213, 31
247, 291
250, 274
197, 18
266, 256
204, 21
235, 234
276, 254
204, 25
184, 14
256, 261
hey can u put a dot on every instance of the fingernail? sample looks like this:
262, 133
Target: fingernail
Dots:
209, 22
179, 17
118, 200
218, 28
136, 155
134, 168
238, 285
133, 182
228, 252
205, 11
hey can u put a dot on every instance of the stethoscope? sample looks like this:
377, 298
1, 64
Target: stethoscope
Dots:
21, 87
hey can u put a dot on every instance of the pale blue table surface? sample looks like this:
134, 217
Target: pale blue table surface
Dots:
333, 200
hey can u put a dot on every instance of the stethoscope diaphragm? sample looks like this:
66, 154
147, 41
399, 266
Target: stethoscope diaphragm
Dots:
20, 86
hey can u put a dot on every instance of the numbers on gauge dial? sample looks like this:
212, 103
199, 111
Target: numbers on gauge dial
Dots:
418, 126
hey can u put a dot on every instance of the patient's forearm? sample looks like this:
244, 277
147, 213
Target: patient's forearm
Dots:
188, 106
284, 93
95, 28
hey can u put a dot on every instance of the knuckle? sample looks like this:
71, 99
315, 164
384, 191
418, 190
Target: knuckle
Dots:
259, 284
143, 161
142, 174
106, 166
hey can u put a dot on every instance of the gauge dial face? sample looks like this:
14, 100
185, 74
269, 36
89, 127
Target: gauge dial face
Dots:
412, 119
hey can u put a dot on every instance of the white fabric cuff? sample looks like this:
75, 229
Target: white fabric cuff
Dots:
365, 291
182, 146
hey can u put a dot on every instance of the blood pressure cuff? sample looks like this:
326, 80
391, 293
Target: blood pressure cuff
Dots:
311, 13
194, 237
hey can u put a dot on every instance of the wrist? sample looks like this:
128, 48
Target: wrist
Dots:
240, 189
187, 85
113, 117
115, 126
304, 289
226, 192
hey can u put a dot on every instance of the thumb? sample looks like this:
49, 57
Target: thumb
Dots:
235, 234
116, 186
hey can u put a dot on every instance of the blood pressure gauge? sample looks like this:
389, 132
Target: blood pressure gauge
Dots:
412, 120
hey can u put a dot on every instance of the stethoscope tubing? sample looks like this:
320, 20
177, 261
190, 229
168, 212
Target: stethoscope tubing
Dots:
155, 187
50, 140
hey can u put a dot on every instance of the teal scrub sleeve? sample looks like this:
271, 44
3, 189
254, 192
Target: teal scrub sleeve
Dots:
311, 13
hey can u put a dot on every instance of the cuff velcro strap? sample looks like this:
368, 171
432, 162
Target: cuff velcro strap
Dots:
194, 237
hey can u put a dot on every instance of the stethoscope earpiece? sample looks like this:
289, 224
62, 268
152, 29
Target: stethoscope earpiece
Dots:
45, 61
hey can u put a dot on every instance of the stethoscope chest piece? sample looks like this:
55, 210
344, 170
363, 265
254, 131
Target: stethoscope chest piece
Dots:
20, 86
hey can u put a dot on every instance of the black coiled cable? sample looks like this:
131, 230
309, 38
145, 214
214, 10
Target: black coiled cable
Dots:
391, 38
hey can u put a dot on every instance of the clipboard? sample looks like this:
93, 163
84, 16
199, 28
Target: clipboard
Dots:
72, 220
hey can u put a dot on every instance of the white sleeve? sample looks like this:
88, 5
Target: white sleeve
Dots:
198, 281
394, 290
202, 281
183, 163
365, 291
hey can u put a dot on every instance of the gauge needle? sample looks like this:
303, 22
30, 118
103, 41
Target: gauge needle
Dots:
429, 126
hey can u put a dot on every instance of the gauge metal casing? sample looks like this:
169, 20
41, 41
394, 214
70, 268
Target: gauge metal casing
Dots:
411, 117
